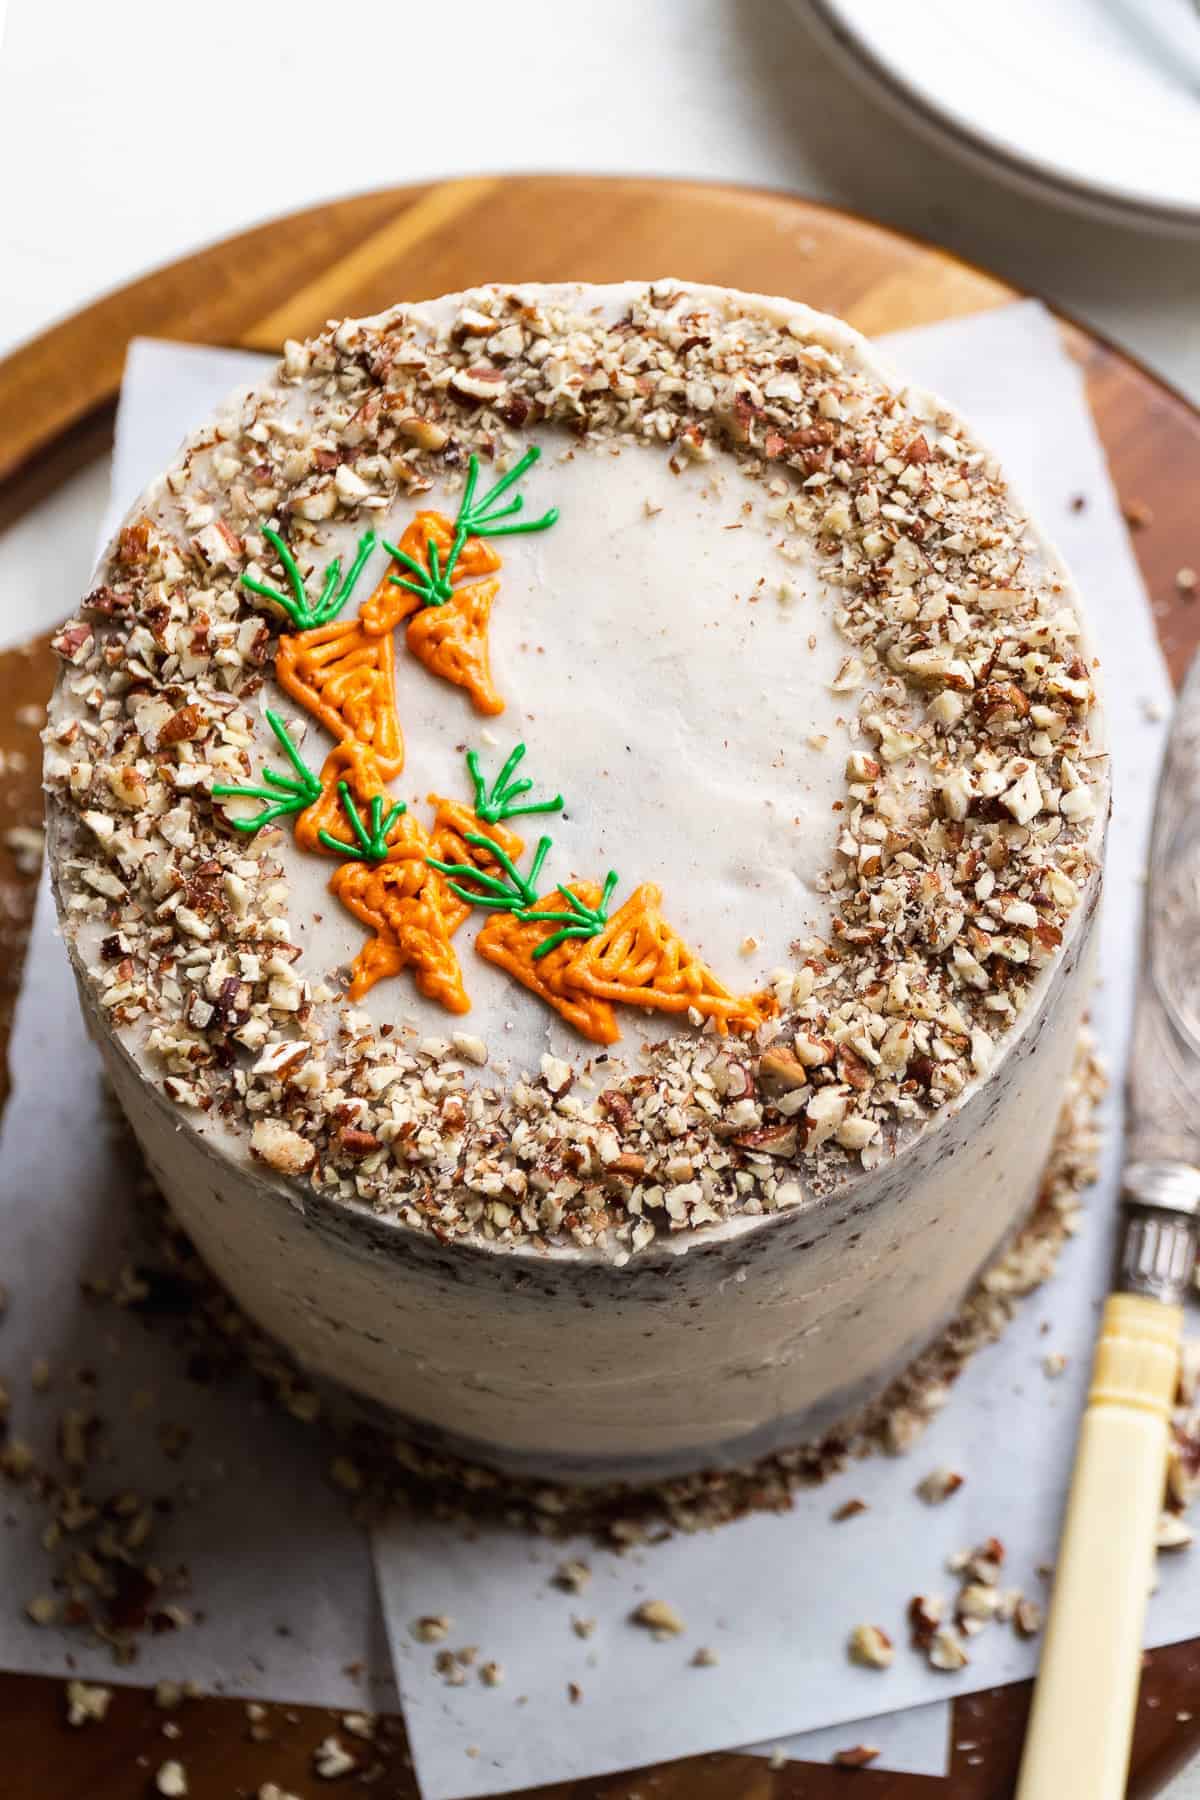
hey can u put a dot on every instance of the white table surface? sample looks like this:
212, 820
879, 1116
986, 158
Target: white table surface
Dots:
131, 135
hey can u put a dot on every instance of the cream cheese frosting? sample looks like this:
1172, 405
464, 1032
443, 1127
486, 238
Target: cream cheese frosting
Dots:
792, 652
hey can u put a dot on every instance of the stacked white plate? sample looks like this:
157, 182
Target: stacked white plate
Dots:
1093, 103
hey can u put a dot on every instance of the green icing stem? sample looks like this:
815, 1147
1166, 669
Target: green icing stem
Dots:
372, 845
581, 922
496, 804
334, 594
492, 893
284, 795
433, 585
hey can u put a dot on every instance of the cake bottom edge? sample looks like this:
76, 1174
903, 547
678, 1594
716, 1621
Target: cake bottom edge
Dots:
389, 1460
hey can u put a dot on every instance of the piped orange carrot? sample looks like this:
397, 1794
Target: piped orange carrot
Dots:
443, 582
637, 959
512, 940
392, 601
358, 766
401, 905
452, 641
347, 679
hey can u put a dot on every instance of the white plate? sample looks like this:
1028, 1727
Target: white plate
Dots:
1094, 102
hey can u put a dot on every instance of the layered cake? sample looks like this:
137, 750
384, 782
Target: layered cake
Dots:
576, 813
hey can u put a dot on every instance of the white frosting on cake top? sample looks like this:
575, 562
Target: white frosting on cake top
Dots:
671, 676
928, 815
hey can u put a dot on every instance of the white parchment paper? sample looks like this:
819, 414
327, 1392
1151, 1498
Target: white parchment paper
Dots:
281, 1576
777, 1596
774, 1597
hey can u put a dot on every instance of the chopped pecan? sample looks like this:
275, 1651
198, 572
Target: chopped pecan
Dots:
182, 725
769, 1140
356, 1143
780, 1067
617, 1107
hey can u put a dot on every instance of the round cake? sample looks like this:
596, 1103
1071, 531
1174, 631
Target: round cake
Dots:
576, 813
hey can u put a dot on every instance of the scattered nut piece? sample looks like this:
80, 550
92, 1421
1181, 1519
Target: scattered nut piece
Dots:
86, 1705
1027, 1618
572, 1576
1173, 1533
859, 1756
871, 1647
431, 1628
938, 1485
660, 1617
947, 1650
331, 1759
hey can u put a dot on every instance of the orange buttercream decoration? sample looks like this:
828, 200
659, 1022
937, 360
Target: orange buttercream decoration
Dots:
452, 822
449, 637
347, 679
384, 609
510, 941
639, 960
452, 641
358, 766
411, 909
402, 905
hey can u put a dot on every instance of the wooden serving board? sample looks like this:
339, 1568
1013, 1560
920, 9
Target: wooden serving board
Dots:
357, 256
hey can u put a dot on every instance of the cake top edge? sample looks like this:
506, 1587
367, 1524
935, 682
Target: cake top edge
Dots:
958, 861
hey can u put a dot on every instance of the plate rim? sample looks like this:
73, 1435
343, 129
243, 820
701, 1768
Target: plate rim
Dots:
831, 23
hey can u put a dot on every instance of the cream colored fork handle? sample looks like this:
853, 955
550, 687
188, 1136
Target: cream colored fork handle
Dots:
1077, 1746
